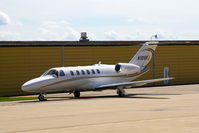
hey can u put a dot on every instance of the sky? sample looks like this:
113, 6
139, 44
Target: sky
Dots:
63, 20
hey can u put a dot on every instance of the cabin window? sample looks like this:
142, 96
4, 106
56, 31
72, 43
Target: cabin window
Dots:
83, 72
61, 73
88, 72
93, 71
72, 73
52, 72
78, 73
98, 71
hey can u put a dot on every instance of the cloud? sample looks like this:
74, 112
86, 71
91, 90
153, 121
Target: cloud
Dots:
18, 23
59, 30
55, 24
4, 18
9, 36
165, 36
111, 35
139, 35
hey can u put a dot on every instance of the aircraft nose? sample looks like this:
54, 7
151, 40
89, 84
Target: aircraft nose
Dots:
26, 86
35, 85
29, 86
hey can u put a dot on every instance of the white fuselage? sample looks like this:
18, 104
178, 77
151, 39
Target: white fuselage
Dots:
81, 78
96, 77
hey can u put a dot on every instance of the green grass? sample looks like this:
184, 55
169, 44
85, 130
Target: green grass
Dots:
4, 99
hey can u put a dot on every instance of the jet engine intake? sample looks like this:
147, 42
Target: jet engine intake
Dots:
125, 67
117, 67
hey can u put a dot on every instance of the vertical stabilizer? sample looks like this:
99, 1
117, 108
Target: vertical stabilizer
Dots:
144, 54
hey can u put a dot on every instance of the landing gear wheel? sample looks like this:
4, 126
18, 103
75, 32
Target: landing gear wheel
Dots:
41, 97
76, 94
120, 93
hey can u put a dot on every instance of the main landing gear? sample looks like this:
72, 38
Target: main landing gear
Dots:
76, 94
121, 92
41, 97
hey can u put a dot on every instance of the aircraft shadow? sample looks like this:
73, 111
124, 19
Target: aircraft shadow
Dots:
133, 96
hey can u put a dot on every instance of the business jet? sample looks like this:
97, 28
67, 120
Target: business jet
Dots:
96, 77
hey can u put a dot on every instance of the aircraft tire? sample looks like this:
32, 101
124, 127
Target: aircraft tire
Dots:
41, 97
76, 94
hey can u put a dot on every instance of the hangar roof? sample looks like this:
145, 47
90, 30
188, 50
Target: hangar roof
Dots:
90, 43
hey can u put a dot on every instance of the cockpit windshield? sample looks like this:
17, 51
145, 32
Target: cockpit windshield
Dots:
51, 72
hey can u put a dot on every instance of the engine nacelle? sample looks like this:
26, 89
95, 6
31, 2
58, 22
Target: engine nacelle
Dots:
126, 67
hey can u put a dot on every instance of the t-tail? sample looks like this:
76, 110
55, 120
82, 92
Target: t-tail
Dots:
144, 54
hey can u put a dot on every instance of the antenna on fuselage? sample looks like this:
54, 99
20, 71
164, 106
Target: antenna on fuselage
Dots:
99, 63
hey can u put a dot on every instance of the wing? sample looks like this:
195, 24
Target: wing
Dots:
131, 84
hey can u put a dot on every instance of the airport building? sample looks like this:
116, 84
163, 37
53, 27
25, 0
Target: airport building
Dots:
21, 61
